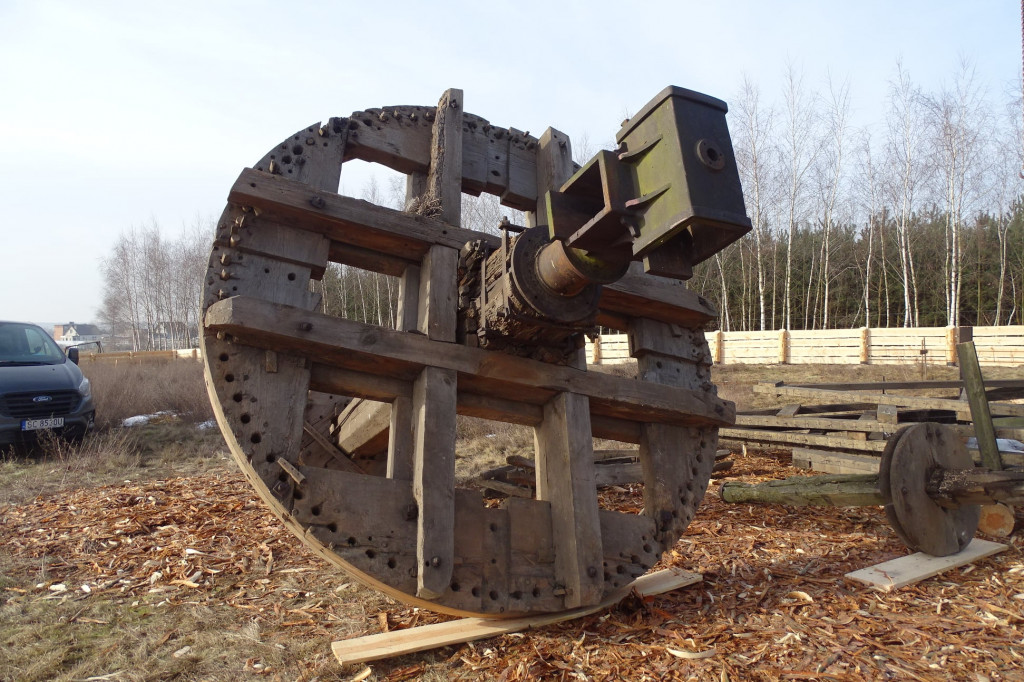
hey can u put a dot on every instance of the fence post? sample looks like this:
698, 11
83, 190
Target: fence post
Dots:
719, 347
597, 349
952, 338
865, 346
784, 347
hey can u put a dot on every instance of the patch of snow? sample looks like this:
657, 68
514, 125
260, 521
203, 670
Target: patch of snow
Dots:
141, 419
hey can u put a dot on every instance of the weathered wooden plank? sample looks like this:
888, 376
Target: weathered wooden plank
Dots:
438, 295
247, 234
835, 462
399, 435
907, 570
1002, 409
790, 438
808, 422
400, 642
400, 137
359, 418
444, 179
433, 406
974, 386
369, 349
565, 478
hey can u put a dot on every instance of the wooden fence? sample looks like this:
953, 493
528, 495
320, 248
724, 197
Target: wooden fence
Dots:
142, 356
882, 346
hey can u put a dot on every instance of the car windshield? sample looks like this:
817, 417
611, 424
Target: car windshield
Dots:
27, 344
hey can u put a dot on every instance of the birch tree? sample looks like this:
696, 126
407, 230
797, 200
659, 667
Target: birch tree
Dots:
798, 154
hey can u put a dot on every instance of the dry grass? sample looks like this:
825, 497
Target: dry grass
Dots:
129, 389
138, 453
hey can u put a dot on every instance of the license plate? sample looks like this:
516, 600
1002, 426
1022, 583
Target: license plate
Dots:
37, 424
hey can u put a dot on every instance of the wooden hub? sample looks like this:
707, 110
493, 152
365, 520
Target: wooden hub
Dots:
369, 483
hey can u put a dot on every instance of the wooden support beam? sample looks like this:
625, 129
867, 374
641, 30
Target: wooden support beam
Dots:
407, 238
444, 179
974, 385
373, 350
433, 407
565, 478
359, 427
564, 441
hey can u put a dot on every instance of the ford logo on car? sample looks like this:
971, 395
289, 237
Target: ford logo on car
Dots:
42, 399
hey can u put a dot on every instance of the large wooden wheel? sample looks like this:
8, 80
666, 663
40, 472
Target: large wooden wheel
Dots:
369, 484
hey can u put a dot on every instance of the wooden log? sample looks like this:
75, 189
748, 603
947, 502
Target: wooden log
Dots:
952, 489
850, 490
997, 519
783, 347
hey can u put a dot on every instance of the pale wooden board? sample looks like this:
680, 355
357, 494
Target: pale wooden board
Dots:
907, 570
835, 462
401, 642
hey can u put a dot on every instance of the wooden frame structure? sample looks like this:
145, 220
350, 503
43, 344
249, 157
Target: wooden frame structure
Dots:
394, 519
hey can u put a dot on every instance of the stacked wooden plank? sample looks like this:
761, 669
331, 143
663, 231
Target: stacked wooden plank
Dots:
843, 428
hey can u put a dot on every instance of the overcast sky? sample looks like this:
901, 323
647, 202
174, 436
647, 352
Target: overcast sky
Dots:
116, 115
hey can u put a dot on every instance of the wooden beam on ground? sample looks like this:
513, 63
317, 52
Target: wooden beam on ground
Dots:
426, 637
820, 423
859, 490
790, 438
907, 570
827, 462
909, 385
1002, 409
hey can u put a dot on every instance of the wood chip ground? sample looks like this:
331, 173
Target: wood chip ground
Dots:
773, 604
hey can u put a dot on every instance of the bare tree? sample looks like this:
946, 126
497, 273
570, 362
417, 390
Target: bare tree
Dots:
831, 181
799, 150
905, 139
752, 139
957, 121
